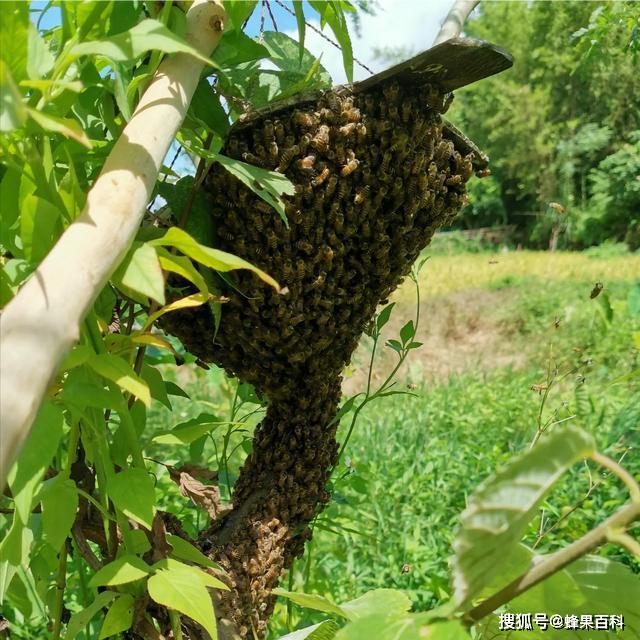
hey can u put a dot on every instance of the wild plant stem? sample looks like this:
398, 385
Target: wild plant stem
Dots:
61, 581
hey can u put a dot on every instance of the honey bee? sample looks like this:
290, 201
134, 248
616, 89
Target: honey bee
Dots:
273, 150
393, 112
453, 181
367, 177
333, 212
386, 161
419, 162
334, 102
287, 270
361, 195
361, 131
399, 143
279, 132
350, 114
286, 158
301, 119
234, 147
272, 240
326, 115
379, 197
304, 247
348, 129
339, 223
443, 152
369, 103
331, 186
320, 141
391, 91
305, 140
306, 163
447, 99
258, 222
268, 131
407, 108
321, 177
250, 158
350, 167
483, 173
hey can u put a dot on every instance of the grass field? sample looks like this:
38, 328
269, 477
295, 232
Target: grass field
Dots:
493, 327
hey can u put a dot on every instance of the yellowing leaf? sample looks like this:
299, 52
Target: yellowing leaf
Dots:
120, 371
194, 300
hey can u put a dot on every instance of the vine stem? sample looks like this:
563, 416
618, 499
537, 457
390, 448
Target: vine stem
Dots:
556, 562
61, 582
611, 530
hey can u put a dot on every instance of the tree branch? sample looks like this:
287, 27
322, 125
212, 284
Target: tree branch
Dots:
452, 25
42, 322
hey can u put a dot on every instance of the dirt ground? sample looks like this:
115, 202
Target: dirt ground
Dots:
459, 331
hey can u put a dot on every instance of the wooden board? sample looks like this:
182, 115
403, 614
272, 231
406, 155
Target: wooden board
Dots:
452, 64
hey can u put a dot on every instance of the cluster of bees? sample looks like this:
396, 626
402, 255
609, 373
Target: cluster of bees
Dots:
375, 175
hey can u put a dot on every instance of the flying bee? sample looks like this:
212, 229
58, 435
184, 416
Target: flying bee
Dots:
320, 141
302, 119
321, 177
306, 163
286, 158
350, 167
348, 129
361, 195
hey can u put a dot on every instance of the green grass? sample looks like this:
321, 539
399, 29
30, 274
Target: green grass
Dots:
413, 461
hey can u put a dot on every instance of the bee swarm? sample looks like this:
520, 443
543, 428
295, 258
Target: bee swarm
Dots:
374, 178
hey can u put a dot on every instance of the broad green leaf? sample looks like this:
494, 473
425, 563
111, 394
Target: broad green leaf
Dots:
15, 546
59, 499
174, 390
13, 113
407, 332
119, 618
128, 568
14, 35
196, 573
84, 394
236, 48
300, 21
189, 431
40, 60
38, 222
500, 509
206, 107
140, 270
268, 185
178, 590
381, 626
148, 35
77, 356
183, 550
65, 126
183, 267
133, 492
156, 384
384, 316
213, 258
239, 11
325, 630
331, 13
120, 371
390, 601
311, 601
450, 630
81, 619
26, 474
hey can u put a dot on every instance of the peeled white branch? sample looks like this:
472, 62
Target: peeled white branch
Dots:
452, 25
42, 322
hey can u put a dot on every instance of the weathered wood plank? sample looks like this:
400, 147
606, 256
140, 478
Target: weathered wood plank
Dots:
453, 64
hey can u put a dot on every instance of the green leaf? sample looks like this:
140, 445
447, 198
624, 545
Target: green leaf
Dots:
59, 500
120, 371
25, 475
213, 258
128, 568
140, 271
268, 185
177, 589
13, 113
183, 267
299, 11
81, 619
500, 509
189, 431
186, 551
119, 618
38, 222
65, 126
14, 35
407, 332
604, 304
196, 573
325, 630
311, 601
40, 60
239, 11
390, 601
633, 300
84, 394
77, 356
148, 35
384, 316
331, 13
156, 384
174, 390
206, 107
133, 492
237, 48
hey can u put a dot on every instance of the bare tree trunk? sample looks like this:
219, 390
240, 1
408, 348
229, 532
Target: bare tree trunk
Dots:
452, 25
40, 325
